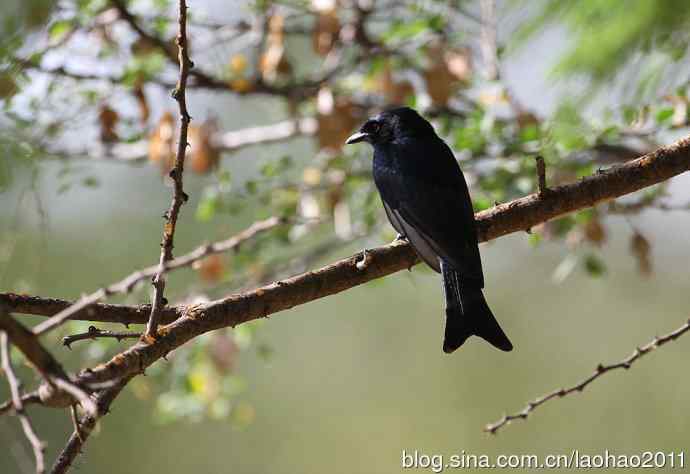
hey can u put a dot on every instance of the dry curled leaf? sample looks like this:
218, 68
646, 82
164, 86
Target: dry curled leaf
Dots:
223, 352
395, 92
641, 250
440, 81
273, 63
210, 269
241, 85
594, 231
336, 118
203, 155
107, 119
459, 63
238, 63
326, 31
161, 143
311, 176
140, 97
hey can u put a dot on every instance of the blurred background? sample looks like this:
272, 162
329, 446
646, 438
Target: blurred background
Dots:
346, 383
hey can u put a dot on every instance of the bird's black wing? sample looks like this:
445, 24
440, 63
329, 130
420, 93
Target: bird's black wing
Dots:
427, 197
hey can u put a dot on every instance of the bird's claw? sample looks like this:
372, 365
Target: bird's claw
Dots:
399, 237
364, 262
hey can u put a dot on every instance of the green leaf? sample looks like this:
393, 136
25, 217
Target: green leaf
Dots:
208, 207
58, 30
664, 115
594, 266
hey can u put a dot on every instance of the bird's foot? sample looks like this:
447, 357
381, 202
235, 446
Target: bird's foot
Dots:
399, 237
364, 262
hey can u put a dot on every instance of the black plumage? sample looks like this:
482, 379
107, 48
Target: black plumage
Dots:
427, 201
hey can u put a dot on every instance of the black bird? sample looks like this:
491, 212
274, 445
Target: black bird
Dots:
426, 200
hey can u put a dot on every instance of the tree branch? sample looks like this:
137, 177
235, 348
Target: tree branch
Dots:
99, 312
15, 390
128, 283
86, 425
94, 333
514, 216
179, 196
581, 385
50, 369
517, 215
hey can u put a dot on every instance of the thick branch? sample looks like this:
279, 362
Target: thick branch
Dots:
517, 215
99, 312
581, 385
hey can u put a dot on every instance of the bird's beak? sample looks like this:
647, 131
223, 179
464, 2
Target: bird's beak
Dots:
356, 138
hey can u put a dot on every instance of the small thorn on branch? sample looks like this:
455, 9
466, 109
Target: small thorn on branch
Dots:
599, 371
95, 333
541, 176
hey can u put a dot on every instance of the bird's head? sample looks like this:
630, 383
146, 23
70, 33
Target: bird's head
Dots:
391, 125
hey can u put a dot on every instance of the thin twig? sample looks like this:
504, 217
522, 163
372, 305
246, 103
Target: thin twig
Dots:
84, 427
541, 176
15, 390
43, 361
27, 399
94, 333
64, 311
179, 196
127, 284
598, 372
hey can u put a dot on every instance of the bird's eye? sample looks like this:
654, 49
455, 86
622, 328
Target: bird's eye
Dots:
374, 127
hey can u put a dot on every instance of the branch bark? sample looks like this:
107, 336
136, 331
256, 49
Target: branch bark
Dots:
518, 215
18, 404
600, 370
179, 196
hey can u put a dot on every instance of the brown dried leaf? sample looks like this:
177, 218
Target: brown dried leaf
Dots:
459, 63
210, 269
273, 63
204, 157
161, 143
595, 232
107, 119
394, 92
140, 97
326, 32
238, 63
336, 119
223, 352
440, 82
641, 250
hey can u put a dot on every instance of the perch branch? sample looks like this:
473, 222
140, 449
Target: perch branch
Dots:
600, 370
514, 216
